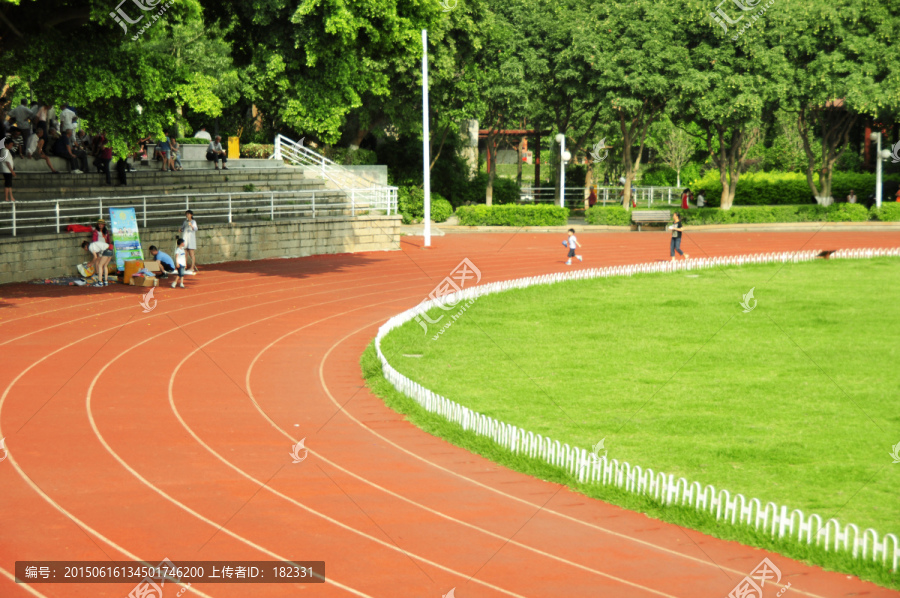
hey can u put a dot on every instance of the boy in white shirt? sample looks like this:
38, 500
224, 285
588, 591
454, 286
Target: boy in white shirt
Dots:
572, 244
180, 262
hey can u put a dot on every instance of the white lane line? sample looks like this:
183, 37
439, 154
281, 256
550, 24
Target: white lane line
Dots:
24, 586
440, 514
511, 496
34, 364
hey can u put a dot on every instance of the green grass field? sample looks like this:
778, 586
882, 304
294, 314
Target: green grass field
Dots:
795, 402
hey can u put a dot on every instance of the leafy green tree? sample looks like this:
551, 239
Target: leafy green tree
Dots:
640, 61
313, 62
557, 51
78, 54
845, 59
736, 80
676, 149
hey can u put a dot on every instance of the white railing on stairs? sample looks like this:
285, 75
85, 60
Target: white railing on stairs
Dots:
666, 489
362, 189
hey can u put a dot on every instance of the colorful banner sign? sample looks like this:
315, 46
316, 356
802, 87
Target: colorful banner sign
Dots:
126, 241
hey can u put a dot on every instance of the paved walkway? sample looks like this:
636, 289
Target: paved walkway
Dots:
169, 434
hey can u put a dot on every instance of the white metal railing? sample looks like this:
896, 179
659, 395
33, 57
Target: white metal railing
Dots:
575, 196
663, 488
34, 217
343, 178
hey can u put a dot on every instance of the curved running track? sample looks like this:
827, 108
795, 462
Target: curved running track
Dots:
141, 436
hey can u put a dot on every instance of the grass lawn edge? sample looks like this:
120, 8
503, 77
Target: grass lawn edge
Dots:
682, 516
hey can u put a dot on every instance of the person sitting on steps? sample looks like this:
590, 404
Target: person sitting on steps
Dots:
214, 153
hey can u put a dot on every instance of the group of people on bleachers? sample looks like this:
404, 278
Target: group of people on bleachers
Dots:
38, 133
168, 151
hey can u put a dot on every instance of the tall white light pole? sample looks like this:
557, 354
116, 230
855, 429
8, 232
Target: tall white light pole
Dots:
426, 153
879, 156
564, 157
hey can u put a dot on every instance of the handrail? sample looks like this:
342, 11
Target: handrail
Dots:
297, 153
605, 194
54, 214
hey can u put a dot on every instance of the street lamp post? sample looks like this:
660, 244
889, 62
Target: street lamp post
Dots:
564, 157
879, 156
426, 154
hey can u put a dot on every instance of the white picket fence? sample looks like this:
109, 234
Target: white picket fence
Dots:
662, 487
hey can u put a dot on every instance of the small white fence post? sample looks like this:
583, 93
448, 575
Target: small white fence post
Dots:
14, 218
314, 204
323, 167
229, 205
352, 202
145, 211
670, 196
57, 217
100, 202
187, 202
272, 207
277, 154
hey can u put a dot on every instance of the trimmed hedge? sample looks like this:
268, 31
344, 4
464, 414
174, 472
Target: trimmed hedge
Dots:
609, 216
411, 205
769, 214
440, 208
842, 212
783, 188
888, 212
512, 215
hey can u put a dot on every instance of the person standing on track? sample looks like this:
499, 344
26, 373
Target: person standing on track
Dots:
189, 234
101, 248
180, 261
675, 244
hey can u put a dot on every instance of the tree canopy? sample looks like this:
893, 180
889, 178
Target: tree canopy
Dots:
735, 75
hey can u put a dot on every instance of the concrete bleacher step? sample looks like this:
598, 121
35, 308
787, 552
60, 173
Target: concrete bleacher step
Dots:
47, 186
145, 177
31, 165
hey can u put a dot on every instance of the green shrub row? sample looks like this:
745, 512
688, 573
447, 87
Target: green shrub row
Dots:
608, 216
842, 212
783, 188
257, 150
411, 205
888, 212
512, 215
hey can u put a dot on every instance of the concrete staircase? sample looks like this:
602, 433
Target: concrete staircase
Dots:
165, 195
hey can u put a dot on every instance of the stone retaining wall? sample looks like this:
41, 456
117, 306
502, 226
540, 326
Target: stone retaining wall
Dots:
51, 255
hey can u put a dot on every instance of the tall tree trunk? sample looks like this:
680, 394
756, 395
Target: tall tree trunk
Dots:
678, 178
731, 155
490, 145
834, 124
638, 125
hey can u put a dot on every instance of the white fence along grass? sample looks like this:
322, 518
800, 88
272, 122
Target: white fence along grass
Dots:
777, 520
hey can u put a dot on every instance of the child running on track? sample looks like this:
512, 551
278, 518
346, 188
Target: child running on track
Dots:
181, 262
572, 244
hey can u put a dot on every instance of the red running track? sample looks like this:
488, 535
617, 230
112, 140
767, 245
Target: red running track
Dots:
143, 436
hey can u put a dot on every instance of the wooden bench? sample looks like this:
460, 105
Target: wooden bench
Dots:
640, 217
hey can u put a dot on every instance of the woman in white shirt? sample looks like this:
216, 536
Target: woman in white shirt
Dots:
6, 167
189, 234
